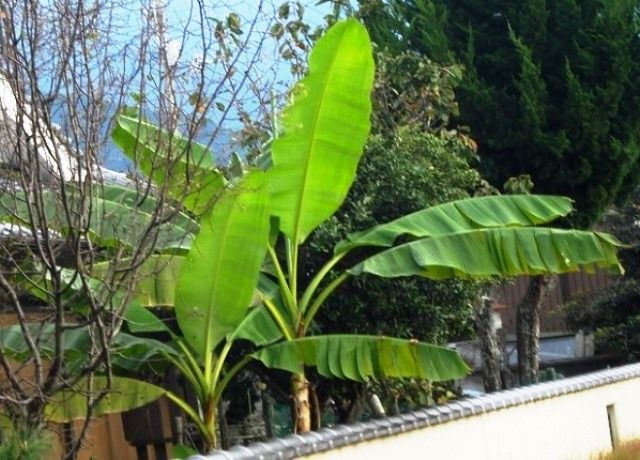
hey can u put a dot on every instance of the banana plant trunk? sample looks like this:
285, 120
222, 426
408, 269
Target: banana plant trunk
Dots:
528, 329
211, 422
301, 403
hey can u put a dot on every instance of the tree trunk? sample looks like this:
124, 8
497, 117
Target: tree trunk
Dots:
356, 409
490, 351
224, 441
316, 410
301, 406
528, 329
350, 403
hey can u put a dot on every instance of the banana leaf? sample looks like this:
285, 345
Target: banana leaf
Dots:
140, 319
185, 167
220, 273
156, 283
461, 215
76, 343
156, 278
145, 202
124, 394
496, 252
115, 217
361, 357
128, 352
14, 209
141, 354
325, 128
155, 288
114, 224
258, 327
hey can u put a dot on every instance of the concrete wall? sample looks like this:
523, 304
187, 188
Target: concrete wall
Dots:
572, 426
565, 419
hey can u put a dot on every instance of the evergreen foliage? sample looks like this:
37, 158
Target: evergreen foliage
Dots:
614, 314
550, 88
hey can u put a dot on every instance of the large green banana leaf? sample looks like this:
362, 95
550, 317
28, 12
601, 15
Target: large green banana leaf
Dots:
155, 288
258, 327
220, 272
360, 357
325, 128
124, 394
185, 167
156, 278
146, 202
41, 286
267, 288
141, 319
117, 217
114, 224
496, 252
14, 209
461, 215
76, 343
123, 215
135, 353
128, 352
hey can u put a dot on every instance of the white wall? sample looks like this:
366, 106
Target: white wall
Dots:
571, 426
54, 157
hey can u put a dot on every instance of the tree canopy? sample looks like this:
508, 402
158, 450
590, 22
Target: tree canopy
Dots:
550, 88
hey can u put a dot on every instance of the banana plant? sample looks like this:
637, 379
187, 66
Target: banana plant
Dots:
215, 286
313, 164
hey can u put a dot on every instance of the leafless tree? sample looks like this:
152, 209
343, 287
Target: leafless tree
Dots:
66, 68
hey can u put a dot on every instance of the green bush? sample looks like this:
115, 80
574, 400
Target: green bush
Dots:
24, 443
613, 315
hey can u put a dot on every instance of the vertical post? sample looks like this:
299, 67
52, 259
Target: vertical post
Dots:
225, 441
267, 412
613, 426
179, 427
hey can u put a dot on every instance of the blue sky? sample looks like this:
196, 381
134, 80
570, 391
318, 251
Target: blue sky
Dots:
272, 71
